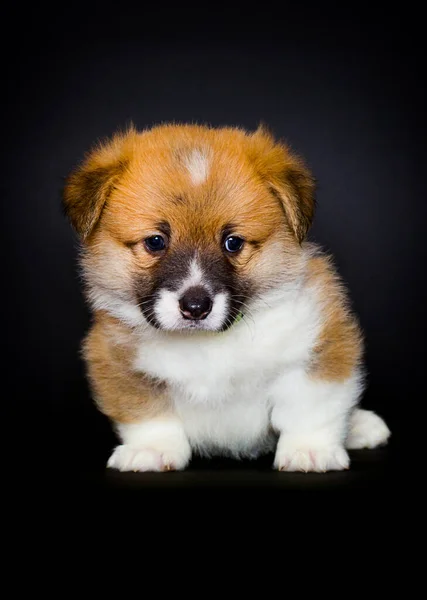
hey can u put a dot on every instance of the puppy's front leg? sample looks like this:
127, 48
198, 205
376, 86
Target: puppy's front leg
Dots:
311, 417
152, 445
153, 438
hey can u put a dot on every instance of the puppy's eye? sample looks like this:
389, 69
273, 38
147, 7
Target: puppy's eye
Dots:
155, 243
233, 243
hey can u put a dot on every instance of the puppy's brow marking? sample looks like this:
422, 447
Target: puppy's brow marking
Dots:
197, 164
228, 230
164, 227
255, 244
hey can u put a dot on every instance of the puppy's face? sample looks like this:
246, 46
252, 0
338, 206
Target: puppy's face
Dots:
183, 226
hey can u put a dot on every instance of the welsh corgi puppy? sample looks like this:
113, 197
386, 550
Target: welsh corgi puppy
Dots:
217, 328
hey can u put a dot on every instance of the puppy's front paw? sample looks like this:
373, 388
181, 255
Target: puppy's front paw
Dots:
320, 460
140, 458
366, 430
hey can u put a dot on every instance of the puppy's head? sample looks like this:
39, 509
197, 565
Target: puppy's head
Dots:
183, 227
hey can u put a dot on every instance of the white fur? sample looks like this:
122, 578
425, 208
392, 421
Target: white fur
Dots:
366, 430
239, 428
311, 417
117, 299
197, 164
156, 445
126, 311
166, 309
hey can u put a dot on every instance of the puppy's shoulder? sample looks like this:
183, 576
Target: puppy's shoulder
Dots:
321, 271
339, 347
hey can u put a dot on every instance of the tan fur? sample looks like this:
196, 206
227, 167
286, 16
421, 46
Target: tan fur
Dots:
340, 345
127, 186
120, 393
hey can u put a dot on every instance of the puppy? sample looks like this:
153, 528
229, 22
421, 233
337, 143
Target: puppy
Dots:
217, 329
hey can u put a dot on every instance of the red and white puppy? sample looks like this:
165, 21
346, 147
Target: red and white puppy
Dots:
217, 329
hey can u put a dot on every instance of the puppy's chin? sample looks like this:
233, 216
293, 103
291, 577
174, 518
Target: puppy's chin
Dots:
188, 326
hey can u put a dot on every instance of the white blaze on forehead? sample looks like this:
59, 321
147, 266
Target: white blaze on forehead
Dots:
197, 164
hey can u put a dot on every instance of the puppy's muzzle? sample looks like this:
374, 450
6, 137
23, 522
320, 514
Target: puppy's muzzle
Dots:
195, 304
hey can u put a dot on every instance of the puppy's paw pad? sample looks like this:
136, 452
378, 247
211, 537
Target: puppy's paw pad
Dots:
367, 430
317, 460
130, 458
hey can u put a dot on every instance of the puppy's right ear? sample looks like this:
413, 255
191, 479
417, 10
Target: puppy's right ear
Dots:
89, 186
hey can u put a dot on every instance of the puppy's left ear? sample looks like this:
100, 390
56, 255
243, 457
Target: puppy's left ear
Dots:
288, 178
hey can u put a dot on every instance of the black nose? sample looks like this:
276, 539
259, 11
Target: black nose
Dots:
195, 303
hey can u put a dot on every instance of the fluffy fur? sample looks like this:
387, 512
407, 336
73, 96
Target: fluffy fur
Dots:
287, 376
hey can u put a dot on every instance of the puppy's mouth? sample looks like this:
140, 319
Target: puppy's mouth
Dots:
195, 310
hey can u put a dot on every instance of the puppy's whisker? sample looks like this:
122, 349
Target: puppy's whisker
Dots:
246, 308
247, 324
150, 316
145, 302
236, 313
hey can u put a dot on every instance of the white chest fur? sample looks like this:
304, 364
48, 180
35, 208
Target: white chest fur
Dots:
220, 382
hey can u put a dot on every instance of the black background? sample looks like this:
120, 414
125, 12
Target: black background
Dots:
343, 87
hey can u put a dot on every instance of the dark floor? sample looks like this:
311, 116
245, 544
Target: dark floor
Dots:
370, 470
85, 439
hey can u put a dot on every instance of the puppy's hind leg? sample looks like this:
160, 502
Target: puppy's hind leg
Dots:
366, 430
